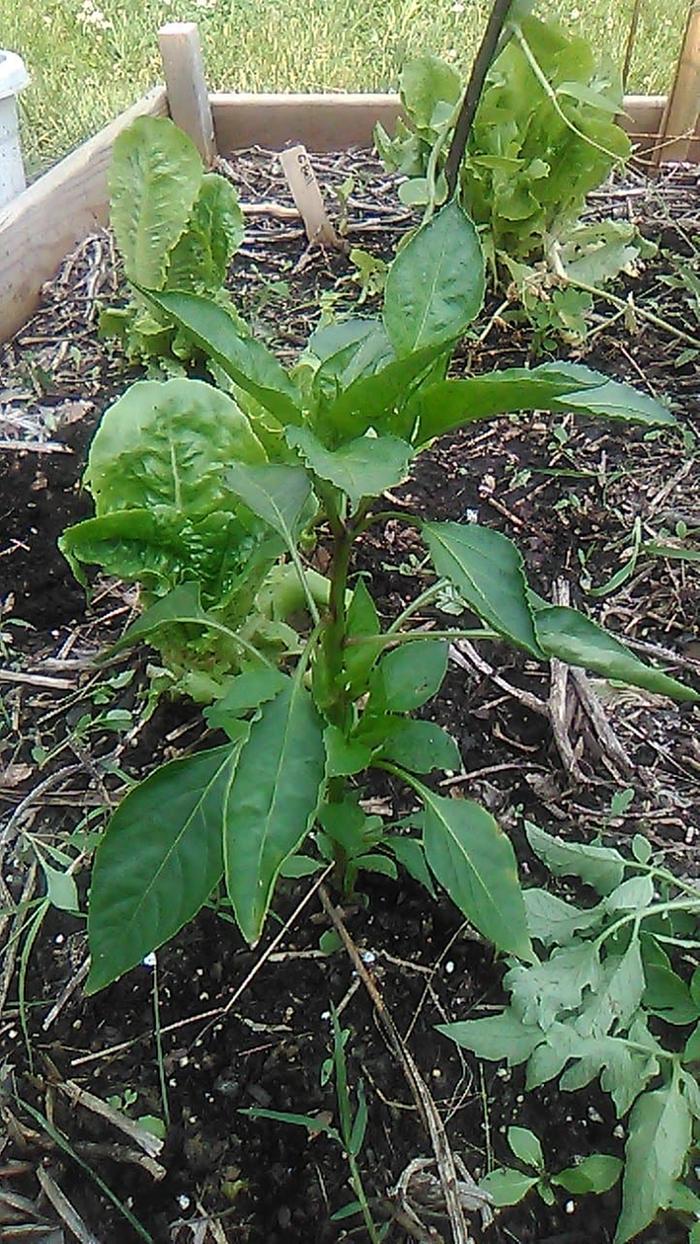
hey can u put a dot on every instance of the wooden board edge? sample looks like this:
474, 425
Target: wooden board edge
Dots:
333, 122
48, 220
318, 122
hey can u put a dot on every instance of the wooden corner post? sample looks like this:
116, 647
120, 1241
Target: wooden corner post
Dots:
188, 97
683, 107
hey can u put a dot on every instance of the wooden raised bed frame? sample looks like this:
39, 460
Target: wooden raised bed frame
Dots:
53, 215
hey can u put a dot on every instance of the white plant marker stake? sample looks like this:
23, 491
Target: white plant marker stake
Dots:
302, 182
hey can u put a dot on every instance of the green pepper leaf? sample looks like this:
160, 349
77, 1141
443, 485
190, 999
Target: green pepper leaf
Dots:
486, 569
158, 862
435, 285
271, 802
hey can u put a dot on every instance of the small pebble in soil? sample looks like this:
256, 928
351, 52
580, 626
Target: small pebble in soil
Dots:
619, 1132
368, 956
594, 1115
59, 939
184, 1061
569, 1207
504, 1074
149, 961
183, 1201
449, 967
436, 1073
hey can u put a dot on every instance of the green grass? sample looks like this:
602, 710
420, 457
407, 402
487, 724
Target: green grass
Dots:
89, 59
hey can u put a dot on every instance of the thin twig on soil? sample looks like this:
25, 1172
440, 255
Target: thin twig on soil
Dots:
66, 1212
152, 1145
463, 649
427, 1109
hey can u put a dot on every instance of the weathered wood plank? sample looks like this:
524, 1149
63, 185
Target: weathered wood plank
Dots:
318, 122
44, 223
682, 111
188, 98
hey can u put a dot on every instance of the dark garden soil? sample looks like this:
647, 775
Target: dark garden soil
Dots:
570, 493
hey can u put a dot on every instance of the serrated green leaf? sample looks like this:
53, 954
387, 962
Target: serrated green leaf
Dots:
660, 1134
409, 853
271, 801
544, 990
473, 860
596, 1173
568, 635
503, 1036
668, 996
617, 997
364, 467
550, 1058
435, 286
506, 1186
621, 801
158, 861
623, 1070
555, 922
487, 570
600, 867
526, 1146
420, 747
409, 675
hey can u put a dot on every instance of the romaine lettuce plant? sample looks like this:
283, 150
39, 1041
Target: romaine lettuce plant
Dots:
302, 731
543, 136
176, 227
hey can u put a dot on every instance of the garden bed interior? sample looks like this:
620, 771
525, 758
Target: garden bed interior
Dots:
569, 491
